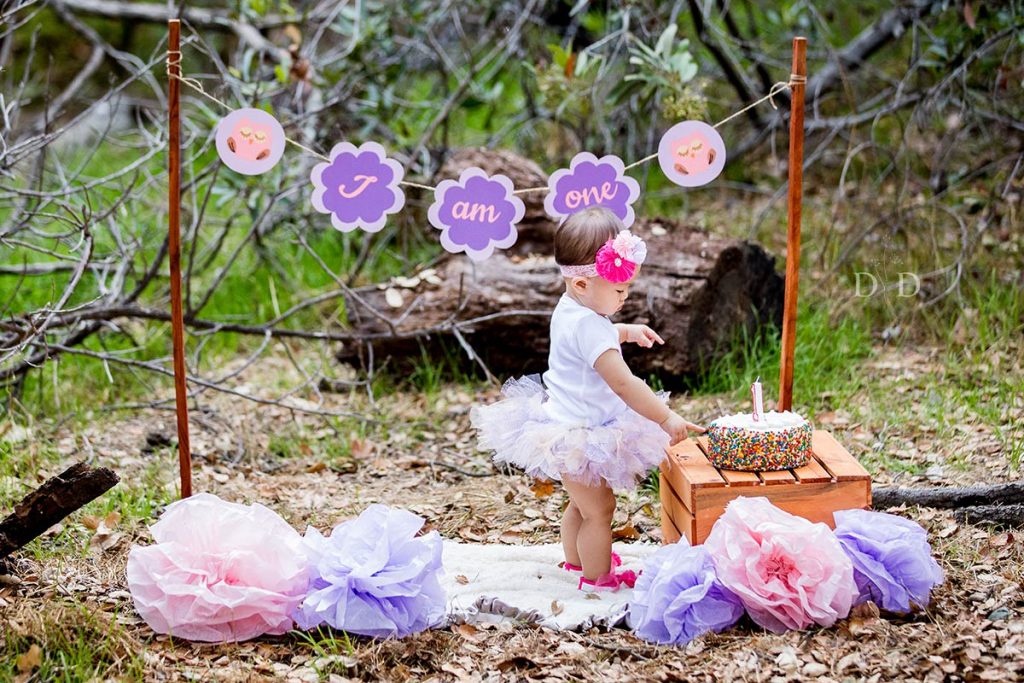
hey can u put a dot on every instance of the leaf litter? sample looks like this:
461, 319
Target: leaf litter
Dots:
973, 630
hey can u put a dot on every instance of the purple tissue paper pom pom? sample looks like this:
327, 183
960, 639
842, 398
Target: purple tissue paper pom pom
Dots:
678, 597
373, 576
892, 559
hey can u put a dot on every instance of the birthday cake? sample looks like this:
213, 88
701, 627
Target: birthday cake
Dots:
774, 441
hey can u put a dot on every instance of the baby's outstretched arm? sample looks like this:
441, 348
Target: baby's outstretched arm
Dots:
638, 334
638, 396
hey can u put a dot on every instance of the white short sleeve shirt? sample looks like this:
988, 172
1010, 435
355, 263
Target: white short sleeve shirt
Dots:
577, 394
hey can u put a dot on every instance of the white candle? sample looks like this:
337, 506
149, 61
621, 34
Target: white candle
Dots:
755, 391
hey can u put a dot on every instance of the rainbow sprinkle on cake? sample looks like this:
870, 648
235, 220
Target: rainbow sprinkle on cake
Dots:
778, 441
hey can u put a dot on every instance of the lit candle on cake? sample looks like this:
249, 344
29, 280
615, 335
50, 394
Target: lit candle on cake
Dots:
758, 441
755, 390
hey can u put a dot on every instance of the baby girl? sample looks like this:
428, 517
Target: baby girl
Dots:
592, 425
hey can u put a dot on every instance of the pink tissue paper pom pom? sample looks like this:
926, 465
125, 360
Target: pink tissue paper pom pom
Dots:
218, 571
788, 572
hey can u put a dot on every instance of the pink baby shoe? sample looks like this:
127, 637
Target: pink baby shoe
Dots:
570, 567
609, 582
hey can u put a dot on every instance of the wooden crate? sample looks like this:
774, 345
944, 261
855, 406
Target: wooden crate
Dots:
694, 493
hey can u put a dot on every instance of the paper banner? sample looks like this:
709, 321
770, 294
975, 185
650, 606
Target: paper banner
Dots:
691, 153
476, 214
250, 141
358, 187
590, 181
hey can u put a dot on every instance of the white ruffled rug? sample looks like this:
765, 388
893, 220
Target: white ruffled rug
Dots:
492, 583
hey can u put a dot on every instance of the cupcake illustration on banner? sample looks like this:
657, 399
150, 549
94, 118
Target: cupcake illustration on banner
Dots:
250, 141
691, 153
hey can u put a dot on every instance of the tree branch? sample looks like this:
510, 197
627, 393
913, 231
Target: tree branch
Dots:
732, 71
197, 16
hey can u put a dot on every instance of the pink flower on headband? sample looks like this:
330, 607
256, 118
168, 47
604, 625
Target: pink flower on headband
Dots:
619, 257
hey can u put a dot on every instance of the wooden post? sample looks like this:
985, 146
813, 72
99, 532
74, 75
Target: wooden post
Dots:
174, 251
796, 173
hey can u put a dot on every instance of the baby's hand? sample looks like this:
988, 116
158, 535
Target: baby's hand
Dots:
642, 335
678, 428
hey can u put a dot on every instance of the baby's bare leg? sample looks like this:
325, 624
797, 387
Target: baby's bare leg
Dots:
596, 505
571, 521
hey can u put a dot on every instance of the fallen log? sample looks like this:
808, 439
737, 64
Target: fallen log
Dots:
949, 497
57, 498
998, 515
697, 290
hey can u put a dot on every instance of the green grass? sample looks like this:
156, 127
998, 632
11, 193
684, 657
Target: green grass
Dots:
19, 463
334, 452
825, 352
145, 494
651, 484
325, 642
982, 359
332, 651
136, 499
77, 643
332, 447
430, 373
879, 460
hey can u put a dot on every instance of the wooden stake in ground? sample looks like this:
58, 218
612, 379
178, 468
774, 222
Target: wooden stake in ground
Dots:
174, 250
796, 174
57, 498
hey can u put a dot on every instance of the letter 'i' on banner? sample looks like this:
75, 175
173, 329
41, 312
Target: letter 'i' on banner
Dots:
476, 214
588, 182
358, 187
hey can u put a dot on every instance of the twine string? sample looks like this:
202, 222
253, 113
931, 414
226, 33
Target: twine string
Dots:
174, 60
772, 92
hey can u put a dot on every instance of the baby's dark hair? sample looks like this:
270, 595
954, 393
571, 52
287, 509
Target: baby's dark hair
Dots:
582, 234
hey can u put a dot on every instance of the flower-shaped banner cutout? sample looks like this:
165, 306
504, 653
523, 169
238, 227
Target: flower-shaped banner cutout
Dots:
250, 141
588, 182
691, 153
476, 214
358, 187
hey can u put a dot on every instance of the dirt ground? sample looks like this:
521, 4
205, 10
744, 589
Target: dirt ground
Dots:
421, 452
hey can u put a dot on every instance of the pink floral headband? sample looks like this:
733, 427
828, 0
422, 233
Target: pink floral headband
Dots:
616, 260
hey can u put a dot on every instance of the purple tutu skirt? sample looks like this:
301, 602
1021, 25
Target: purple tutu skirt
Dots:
520, 431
